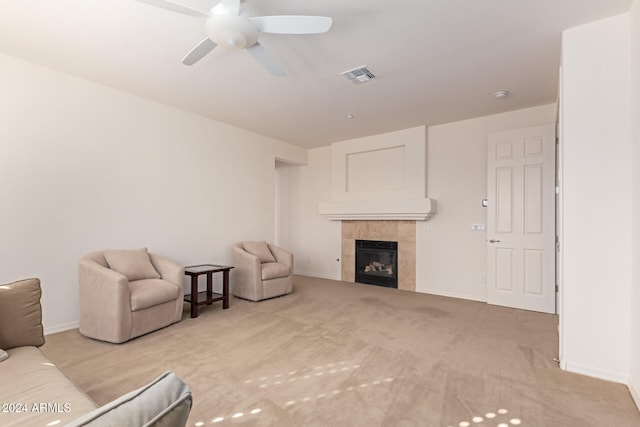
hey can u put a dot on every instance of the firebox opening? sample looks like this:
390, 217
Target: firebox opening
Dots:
377, 263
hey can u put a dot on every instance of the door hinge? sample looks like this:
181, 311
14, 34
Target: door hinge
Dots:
557, 189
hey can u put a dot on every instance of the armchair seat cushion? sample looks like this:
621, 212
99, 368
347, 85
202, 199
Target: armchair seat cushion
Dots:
274, 270
149, 292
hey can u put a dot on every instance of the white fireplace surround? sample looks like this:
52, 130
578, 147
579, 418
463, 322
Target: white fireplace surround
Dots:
382, 177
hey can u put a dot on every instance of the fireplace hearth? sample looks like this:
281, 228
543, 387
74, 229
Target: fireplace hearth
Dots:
376, 263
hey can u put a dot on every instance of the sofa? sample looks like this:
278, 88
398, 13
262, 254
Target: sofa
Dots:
34, 392
261, 270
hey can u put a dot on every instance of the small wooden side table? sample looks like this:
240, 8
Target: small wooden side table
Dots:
207, 297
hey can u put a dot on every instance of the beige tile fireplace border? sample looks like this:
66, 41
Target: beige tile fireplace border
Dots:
404, 232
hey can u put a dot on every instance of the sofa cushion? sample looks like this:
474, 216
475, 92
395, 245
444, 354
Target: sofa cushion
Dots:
259, 249
166, 402
149, 292
273, 270
134, 264
28, 377
3, 355
20, 300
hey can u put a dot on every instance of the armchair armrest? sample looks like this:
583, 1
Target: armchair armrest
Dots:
169, 270
243, 260
282, 256
247, 273
21, 314
105, 300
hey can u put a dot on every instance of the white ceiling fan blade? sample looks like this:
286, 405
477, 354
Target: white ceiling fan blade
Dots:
175, 7
264, 57
292, 24
199, 52
231, 6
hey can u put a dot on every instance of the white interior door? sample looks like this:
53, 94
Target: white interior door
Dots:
521, 219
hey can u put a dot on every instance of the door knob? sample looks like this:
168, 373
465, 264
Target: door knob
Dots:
494, 241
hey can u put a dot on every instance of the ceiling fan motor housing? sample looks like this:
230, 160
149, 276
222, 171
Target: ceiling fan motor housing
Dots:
231, 31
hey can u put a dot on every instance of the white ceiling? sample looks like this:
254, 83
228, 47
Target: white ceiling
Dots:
436, 61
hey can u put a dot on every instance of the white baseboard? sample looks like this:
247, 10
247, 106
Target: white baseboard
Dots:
318, 275
48, 330
594, 372
451, 295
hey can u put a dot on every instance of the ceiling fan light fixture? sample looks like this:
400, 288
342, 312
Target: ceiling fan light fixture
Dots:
229, 26
231, 31
218, 10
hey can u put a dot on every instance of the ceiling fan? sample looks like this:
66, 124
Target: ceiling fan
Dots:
228, 26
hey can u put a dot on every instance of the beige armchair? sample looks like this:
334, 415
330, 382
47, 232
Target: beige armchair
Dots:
128, 293
261, 271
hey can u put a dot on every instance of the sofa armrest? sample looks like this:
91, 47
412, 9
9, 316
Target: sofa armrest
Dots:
282, 256
169, 270
21, 314
165, 402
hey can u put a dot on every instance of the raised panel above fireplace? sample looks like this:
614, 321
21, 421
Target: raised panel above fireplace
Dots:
380, 177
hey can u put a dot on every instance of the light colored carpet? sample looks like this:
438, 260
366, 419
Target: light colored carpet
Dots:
340, 354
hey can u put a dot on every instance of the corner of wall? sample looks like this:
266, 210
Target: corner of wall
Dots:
634, 374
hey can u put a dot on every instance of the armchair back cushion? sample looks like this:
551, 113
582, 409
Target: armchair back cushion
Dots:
259, 249
134, 264
20, 301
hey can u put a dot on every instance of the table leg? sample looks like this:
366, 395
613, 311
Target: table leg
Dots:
209, 288
194, 296
225, 289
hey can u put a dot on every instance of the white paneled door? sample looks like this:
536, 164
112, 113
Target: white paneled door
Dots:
521, 219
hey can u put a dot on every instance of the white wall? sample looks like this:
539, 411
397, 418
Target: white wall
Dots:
314, 240
596, 166
84, 167
451, 259
634, 377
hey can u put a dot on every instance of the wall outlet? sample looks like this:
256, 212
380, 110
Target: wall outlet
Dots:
483, 279
478, 227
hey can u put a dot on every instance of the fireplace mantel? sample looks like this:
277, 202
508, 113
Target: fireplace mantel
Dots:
400, 209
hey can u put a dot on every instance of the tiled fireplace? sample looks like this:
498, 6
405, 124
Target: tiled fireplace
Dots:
403, 232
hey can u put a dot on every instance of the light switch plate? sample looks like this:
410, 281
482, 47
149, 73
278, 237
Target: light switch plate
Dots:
478, 227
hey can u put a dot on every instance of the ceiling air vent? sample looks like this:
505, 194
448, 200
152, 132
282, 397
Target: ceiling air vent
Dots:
359, 75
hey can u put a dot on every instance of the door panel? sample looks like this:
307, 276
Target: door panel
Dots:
504, 179
533, 188
504, 269
533, 272
521, 219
